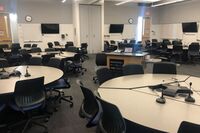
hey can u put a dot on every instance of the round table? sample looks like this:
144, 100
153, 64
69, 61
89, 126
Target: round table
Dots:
57, 54
137, 102
50, 74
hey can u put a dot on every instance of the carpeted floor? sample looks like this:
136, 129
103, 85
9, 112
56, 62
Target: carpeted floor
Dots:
67, 120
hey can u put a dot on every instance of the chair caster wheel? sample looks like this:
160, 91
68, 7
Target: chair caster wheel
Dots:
82, 73
71, 105
45, 132
55, 109
71, 98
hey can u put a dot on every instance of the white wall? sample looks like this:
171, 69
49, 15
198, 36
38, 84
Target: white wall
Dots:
167, 21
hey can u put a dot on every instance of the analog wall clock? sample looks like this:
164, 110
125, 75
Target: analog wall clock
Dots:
130, 20
28, 18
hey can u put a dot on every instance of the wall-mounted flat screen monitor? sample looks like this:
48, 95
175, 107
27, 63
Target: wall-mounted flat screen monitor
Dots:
50, 28
190, 27
116, 28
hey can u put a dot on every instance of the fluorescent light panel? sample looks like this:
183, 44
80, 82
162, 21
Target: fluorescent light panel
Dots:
166, 3
63, 1
123, 2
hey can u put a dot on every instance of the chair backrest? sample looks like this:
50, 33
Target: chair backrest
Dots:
131, 69
34, 45
56, 43
164, 68
15, 45
154, 40
101, 59
194, 47
72, 49
84, 45
111, 120
35, 50
177, 48
132, 41
2, 53
187, 127
3, 63
89, 104
4, 46
50, 44
35, 61
104, 74
176, 42
166, 42
68, 44
14, 50
29, 92
54, 62
112, 42
27, 45
49, 49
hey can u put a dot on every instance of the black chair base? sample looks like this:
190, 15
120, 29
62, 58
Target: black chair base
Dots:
61, 96
27, 122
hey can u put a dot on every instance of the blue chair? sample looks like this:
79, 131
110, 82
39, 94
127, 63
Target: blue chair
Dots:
59, 84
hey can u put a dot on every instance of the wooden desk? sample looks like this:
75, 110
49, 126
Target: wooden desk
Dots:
139, 105
126, 58
50, 74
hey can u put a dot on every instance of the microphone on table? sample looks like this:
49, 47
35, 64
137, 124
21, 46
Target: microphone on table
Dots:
161, 99
189, 98
27, 73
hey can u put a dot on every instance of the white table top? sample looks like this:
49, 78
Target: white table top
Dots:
57, 54
50, 74
139, 105
139, 54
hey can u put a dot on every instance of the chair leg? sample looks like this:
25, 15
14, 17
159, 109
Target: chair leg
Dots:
26, 125
41, 125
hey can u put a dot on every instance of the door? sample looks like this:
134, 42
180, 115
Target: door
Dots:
146, 29
5, 33
90, 27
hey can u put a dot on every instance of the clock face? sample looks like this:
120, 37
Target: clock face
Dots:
28, 18
130, 20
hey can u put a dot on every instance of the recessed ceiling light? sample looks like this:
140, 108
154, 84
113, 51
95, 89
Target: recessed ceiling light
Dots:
166, 3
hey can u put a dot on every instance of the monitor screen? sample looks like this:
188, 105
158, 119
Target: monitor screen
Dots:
116, 28
50, 28
190, 27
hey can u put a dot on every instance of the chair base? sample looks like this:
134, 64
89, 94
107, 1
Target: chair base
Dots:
61, 96
29, 121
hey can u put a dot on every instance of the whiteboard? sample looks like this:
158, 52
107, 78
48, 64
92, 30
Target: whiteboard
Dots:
31, 32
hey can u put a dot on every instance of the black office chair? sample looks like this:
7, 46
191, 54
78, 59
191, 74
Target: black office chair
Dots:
25, 55
101, 61
59, 84
35, 61
49, 49
131, 69
108, 47
90, 106
177, 52
84, 51
29, 95
27, 45
166, 42
15, 45
56, 43
3, 64
76, 65
112, 42
147, 44
36, 50
188, 127
68, 44
111, 120
34, 45
15, 57
50, 44
104, 74
2, 53
133, 41
164, 68
193, 50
